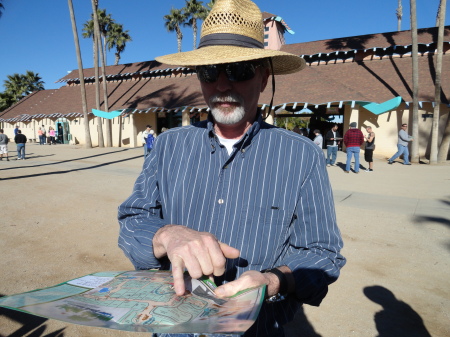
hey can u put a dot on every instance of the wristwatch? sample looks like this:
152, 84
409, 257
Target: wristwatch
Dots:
282, 290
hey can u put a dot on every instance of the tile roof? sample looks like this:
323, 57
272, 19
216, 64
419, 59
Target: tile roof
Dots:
373, 81
141, 94
366, 75
362, 42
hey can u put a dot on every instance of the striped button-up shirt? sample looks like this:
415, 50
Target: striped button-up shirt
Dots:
271, 199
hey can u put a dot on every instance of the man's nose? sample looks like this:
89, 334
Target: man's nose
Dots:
223, 83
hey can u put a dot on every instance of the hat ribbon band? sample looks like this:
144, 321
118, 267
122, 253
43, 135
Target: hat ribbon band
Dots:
228, 39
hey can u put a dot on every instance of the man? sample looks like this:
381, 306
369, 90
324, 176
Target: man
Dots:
144, 139
332, 139
318, 140
3, 145
20, 140
16, 129
402, 146
44, 135
369, 147
228, 197
353, 139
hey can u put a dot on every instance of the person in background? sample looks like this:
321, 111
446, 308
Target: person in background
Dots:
368, 149
41, 141
20, 140
353, 139
16, 129
44, 135
149, 141
51, 134
60, 134
332, 139
402, 146
228, 197
4, 140
318, 140
144, 138
297, 130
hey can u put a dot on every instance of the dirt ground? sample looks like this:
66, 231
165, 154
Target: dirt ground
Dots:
58, 222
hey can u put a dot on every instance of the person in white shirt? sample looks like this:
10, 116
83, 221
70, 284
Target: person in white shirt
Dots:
318, 140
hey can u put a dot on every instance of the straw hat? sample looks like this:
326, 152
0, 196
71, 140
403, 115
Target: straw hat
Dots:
234, 32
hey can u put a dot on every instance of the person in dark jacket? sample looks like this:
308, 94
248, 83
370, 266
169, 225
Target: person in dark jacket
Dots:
332, 139
20, 140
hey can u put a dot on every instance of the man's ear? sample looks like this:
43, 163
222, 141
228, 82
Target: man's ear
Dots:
265, 79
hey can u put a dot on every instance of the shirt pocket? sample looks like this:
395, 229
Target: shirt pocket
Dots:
263, 234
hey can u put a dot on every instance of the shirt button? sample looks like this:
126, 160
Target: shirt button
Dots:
243, 150
220, 201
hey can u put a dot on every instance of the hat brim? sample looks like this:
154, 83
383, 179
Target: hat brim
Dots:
283, 63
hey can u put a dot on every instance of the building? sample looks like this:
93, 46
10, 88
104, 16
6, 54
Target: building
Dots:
366, 79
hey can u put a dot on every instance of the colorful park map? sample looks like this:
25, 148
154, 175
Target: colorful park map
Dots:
141, 301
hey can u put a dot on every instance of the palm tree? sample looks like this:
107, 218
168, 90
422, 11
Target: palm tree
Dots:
117, 38
105, 21
33, 81
173, 22
18, 86
437, 86
94, 26
445, 143
415, 80
194, 10
6, 100
399, 13
210, 5
102, 47
87, 133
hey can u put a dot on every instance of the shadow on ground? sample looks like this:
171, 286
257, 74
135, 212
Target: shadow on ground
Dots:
31, 326
72, 170
397, 318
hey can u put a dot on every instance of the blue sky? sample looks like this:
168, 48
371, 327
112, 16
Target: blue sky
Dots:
37, 35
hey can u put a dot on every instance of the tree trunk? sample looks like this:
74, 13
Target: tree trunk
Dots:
194, 29
445, 143
105, 87
415, 78
87, 134
399, 15
101, 142
117, 59
438, 15
437, 86
179, 38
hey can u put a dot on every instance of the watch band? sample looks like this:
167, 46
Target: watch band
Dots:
283, 288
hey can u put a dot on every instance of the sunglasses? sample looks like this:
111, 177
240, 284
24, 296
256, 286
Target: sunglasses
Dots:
235, 72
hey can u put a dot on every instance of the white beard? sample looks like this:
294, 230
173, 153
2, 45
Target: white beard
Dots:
227, 116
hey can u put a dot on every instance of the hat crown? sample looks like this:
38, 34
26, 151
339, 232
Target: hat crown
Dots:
240, 17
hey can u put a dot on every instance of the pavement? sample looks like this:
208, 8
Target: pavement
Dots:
58, 222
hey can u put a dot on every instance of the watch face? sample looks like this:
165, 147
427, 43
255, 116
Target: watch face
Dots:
275, 298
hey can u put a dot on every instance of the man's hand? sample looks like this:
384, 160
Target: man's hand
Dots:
253, 278
199, 252
249, 279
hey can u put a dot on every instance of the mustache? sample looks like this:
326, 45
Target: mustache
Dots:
227, 98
